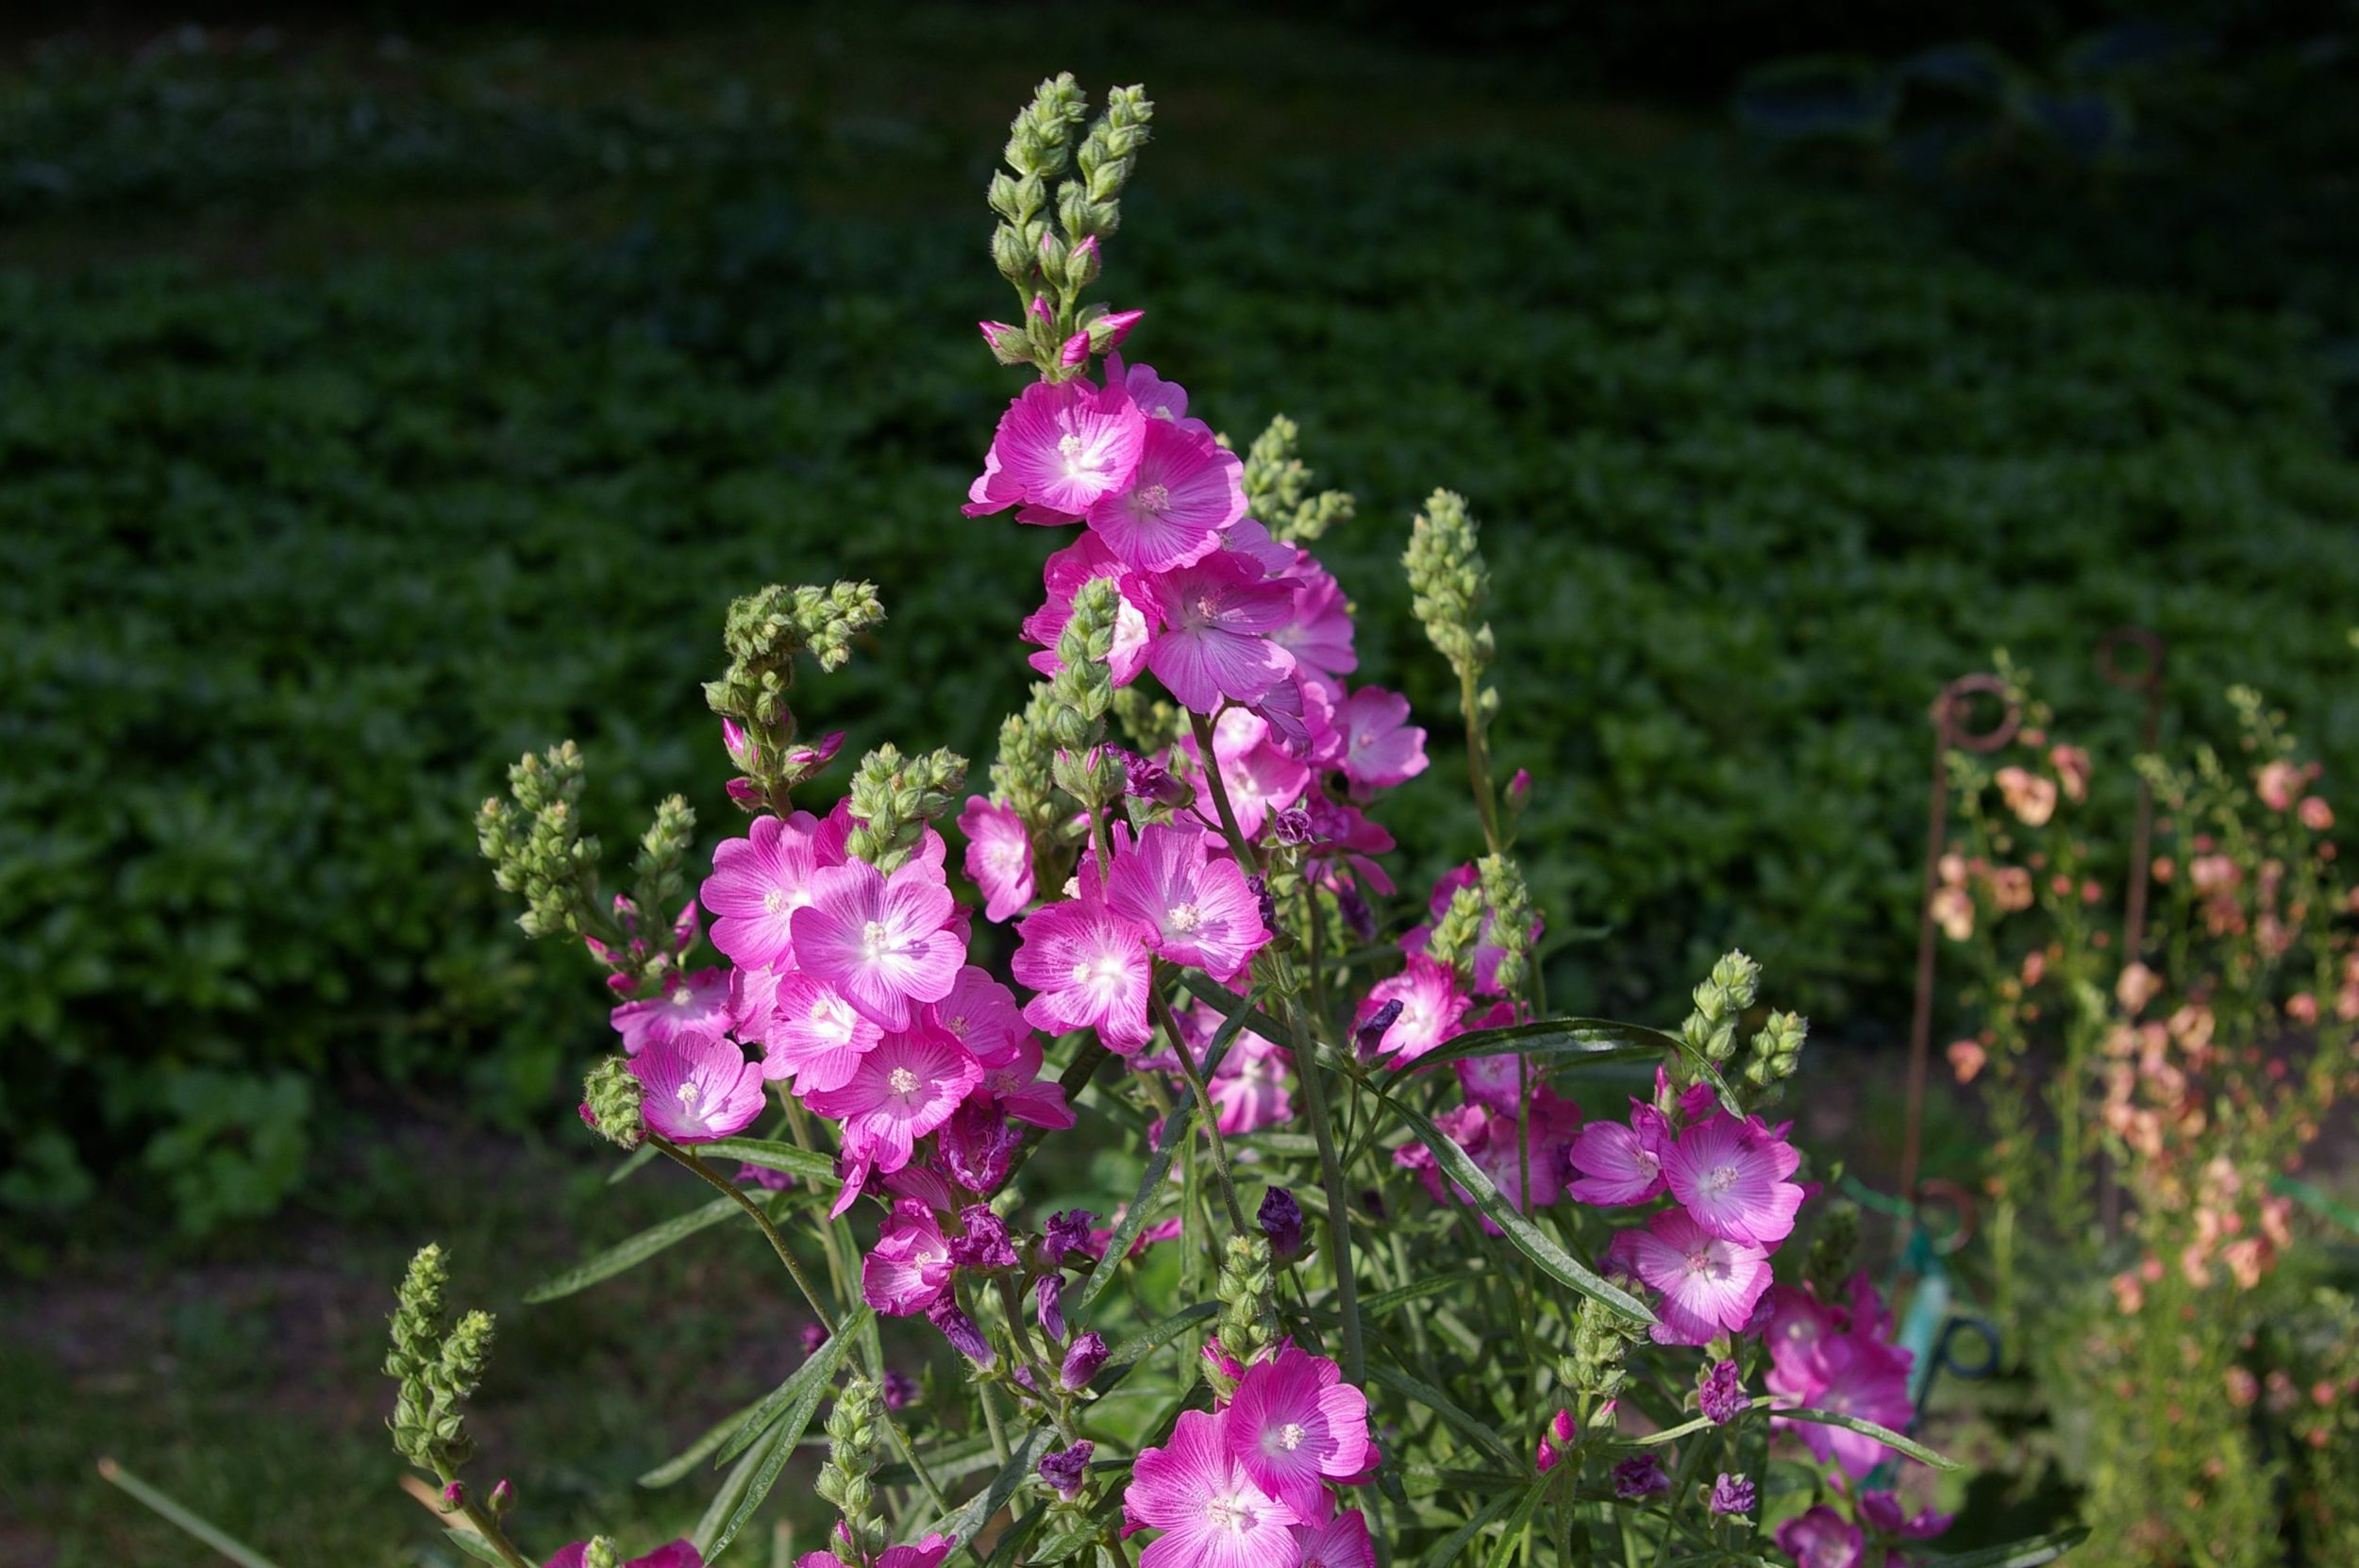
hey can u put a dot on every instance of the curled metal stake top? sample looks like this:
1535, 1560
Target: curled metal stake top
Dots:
1950, 711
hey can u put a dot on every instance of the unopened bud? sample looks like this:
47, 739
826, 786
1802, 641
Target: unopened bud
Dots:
1081, 1360
1281, 1218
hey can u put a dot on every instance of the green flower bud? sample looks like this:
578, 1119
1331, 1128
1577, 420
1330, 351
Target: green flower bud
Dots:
1449, 583
1510, 905
1277, 489
894, 797
601, 1553
855, 1430
1775, 1054
1247, 1293
610, 1099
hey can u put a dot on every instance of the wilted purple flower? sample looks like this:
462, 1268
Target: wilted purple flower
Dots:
1720, 1393
960, 1332
1082, 1359
1292, 825
1357, 918
1370, 1035
899, 1388
985, 1248
1281, 1218
1640, 1477
1051, 1293
1733, 1494
1064, 1469
1268, 905
1069, 1233
763, 1177
977, 1144
814, 1335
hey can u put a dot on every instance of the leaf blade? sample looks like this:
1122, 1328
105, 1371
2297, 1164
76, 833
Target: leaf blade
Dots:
1884, 1435
790, 1432
628, 1254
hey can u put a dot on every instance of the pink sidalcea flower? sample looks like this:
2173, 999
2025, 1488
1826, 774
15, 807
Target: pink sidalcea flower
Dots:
1250, 1089
691, 1010
1060, 448
1064, 572
928, 1552
1022, 1093
1293, 1424
908, 1269
758, 882
1156, 397
1850, 1375
1730, 1177
1709, 1284
1319, 631
1185, 490
884, 943
814, 1036
1210, 1514
1194, 909
1430, 1008
998, 856
673, 1553
1822, 1537
697, 1091
1381, 747
1090, 968
1341, 1543
1213, 643
902, 1090
1258, 774
983, 1014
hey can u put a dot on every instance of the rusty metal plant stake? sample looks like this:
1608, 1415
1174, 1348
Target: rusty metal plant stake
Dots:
2148, 680
1949, 732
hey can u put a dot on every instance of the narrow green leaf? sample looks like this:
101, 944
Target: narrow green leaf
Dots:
1504, 1552
203, 1529
726, 1500
1884, 1435
1017, 1536
817, 1370
673, 1469
1593, 1039
771, 1155
946, 1461
1130, 1353
1224, 1001
632, 1162
1384, 1301
2027, 1553
627, 1254
968, 1519
1175, 1128
1443, 1406
476, 1547
1447, 1551
1529, 1239
790, 1433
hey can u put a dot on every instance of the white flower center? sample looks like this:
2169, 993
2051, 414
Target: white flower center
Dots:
1150, 500
1233, 1514
1290, 1436
773, 901
1207, 608
1069, 447
1721, 1181
956, 1024
682, 998
689, 1096
1185, 918
875, 940
901, 1081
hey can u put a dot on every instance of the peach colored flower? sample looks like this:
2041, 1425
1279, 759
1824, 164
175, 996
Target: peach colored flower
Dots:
2031, 798
1967, 1058
2303, 1007
2011, 888
1953, 911
2276, 784
2213, 873
2165, 868
2247, 1260
2034, 967
2072, 770
2317, 815
2138, 986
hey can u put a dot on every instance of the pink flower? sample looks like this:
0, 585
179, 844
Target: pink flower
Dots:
1319, 631
1731, 1176
908, 1269
697, 1090
692, 1011
1016, 1084
1213, 644
928, 1552
1195, 910
1156, 397
1184, 491
1487, 952
1821, 1539
1709, 1284
1257, 775
814, 1036
1381, 747
1622, 1164
1850, 1375
1090, 969
1209, 1509
1066, 571
902, 1090
675, 1554
1060, 448
983, 1014
758, 882
883, 942
1293, 1424
1798, 1324
1881, 1511
1341, 1543
1430, 1007
1250, 1089
998, 856
1493, 1140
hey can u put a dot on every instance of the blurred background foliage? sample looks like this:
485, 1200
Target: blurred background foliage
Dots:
381, 405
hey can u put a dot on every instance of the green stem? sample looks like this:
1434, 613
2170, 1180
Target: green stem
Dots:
488, 1527
1246, 849
778, 1243
1204, 1108
1479, 758
1331, 1177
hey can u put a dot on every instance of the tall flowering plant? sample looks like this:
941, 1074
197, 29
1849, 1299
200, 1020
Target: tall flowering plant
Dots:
2151, 1111
1372, 1287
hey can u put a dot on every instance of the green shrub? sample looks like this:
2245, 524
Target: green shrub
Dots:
289, 559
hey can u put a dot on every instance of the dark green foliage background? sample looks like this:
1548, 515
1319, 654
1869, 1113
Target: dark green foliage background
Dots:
306, 534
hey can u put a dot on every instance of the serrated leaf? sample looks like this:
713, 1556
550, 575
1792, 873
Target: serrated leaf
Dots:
627, 1254
1592, 1039
1884, 1435
1443, 1406
476, 1547
771, 1155
1529, 1239
973, 1514
1176, 1129
2027, 1553
782, 1443
815, 1372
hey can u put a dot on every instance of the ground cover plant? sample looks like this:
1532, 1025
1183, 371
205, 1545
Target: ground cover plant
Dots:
1546, 1330
1768, 465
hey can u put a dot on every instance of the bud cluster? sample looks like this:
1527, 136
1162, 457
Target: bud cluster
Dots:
1509, 904
1450, 584
1278, 485
1459, 928
435, 1365
611, 1102
894, 796
1595, 1371
1247, 1293
854, 1427
1775, 1054
761, 634
1048, 265
1710, 1031
537, 847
